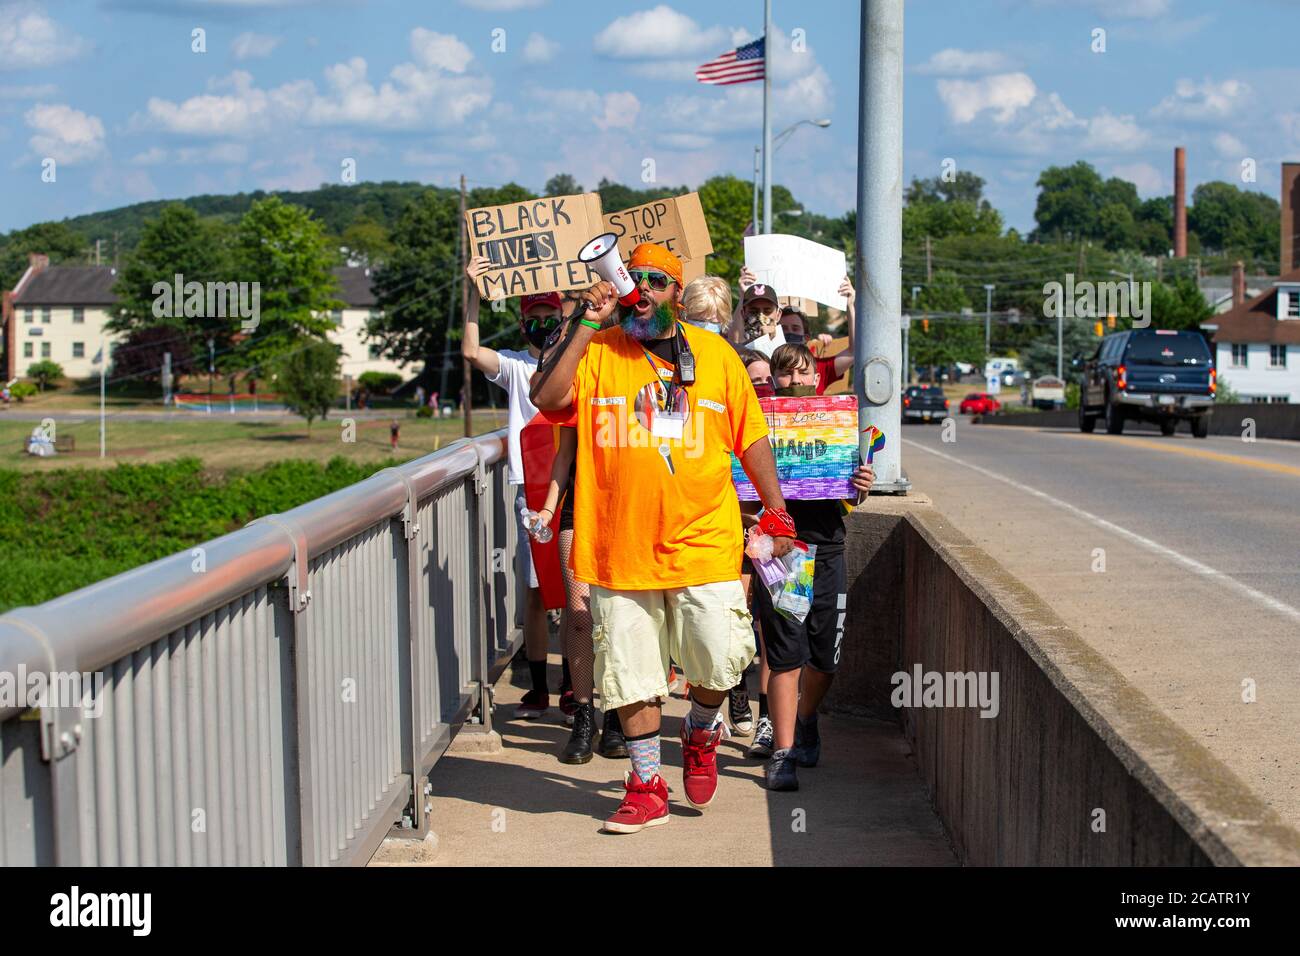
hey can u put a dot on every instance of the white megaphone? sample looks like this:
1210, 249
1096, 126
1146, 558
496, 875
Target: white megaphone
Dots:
601, 254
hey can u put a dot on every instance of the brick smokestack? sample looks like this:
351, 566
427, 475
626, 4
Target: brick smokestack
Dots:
1290, 217
1180, 202
1238, 283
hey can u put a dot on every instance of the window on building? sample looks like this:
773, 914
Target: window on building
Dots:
1277, 356
27, 350
45, 315
1293, 305
78, 349
45, 350
374, 351
78, 315
1239, 351
28, 315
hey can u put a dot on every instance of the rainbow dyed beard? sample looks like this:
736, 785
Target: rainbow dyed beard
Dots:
652, 326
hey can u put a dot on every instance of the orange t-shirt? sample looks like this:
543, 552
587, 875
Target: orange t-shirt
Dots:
638, 525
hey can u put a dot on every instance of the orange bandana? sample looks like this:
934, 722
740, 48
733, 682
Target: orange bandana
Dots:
656, 256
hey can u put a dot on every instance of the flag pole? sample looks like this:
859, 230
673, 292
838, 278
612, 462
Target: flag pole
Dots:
767, 118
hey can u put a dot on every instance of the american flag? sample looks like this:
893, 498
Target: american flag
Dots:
741, 65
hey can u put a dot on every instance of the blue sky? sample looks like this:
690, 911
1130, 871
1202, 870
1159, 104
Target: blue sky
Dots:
287, 90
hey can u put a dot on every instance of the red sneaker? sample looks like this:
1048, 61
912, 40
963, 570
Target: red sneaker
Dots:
644, 805
700, 764
533, 705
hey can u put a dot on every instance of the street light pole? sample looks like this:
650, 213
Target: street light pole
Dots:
758, 171
767, 115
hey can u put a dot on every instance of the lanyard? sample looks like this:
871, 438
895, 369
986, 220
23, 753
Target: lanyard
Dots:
669, 401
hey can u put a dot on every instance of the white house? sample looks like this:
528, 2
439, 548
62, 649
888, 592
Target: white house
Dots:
1257, 344
59, 313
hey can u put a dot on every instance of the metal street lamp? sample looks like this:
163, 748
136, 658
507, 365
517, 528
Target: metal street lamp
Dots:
779, 140
988, 317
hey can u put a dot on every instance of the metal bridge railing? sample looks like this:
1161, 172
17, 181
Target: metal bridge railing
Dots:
276, 696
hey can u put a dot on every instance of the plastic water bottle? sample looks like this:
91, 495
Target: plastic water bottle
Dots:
540, 532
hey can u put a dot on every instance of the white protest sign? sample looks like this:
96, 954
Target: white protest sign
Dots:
796, 266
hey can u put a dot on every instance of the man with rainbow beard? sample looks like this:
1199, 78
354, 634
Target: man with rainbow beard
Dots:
660, 406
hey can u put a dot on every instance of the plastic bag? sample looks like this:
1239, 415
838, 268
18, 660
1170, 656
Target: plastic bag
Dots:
793, 595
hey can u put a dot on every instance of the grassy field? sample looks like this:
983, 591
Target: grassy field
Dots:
224, 441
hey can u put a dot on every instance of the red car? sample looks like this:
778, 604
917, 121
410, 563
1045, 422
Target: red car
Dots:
979, 403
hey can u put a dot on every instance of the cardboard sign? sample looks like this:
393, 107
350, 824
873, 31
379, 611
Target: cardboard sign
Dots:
534, 244
676, 223
815, 441
798, 267
844, 384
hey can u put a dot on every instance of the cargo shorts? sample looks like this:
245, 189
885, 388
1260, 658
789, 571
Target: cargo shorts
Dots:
705, 628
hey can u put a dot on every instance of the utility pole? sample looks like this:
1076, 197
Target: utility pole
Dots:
758, 171
103, 370
466, 371
767, 116
929, 276
988, 318
97, 244
877, 345
212, 367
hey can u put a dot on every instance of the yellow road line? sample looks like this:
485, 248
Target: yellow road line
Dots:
1198, 453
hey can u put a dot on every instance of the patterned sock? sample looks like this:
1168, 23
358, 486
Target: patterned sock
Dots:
644, 751
537, 671
702, 717
762, 706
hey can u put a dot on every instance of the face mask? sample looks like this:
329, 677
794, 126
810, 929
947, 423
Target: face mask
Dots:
537, 334
794, 338
709, 327
765, 390
797, 391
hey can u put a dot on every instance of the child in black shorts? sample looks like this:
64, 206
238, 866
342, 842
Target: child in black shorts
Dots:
802, 657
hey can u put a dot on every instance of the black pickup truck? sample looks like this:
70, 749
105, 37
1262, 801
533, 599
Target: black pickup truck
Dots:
1154, 375
924, 403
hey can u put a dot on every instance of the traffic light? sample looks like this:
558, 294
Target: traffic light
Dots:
1110, 321
925, 325
1098, 330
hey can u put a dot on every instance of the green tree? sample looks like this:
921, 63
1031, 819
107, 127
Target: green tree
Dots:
562, 184
45, 372
307, 379
937, 207
176, 242
728, 206
54, 239
1178, 305
283, 249
367, 242
615, 196
1078, 341
1235, 221
1076, 204
951, 336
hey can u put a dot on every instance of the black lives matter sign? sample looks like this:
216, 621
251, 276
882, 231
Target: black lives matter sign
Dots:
533, 245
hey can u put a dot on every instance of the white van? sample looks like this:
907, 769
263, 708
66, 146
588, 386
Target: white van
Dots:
1000, 366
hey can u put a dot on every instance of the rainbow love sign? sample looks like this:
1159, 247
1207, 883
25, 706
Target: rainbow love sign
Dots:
815, 441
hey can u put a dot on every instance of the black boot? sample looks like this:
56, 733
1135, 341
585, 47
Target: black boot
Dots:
612, 742
578, 749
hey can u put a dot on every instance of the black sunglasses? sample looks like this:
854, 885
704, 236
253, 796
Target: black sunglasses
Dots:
658, 281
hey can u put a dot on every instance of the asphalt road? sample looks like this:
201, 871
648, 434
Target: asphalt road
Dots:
1177, 559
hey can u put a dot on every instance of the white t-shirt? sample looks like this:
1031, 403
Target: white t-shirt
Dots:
516, 368
767, 344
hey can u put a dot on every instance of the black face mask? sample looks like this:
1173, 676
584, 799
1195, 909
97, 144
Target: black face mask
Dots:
537, 333
795, 338
797, 391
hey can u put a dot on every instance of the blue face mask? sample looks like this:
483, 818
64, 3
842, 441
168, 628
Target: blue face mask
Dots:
708, 327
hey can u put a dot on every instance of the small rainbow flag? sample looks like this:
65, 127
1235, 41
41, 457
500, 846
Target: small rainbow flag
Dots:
876, 441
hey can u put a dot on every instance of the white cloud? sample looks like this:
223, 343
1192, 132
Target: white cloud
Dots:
1229, 146
1110, 133
583, 107
501, 6
1003, 94
1205, 100
1149, 180
1116, 9
251, 46
660, 33
29, 38
954, 62
66, 134
153, 156
538, 49
435, 91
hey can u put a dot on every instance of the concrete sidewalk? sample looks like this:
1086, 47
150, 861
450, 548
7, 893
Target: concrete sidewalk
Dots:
864, 805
